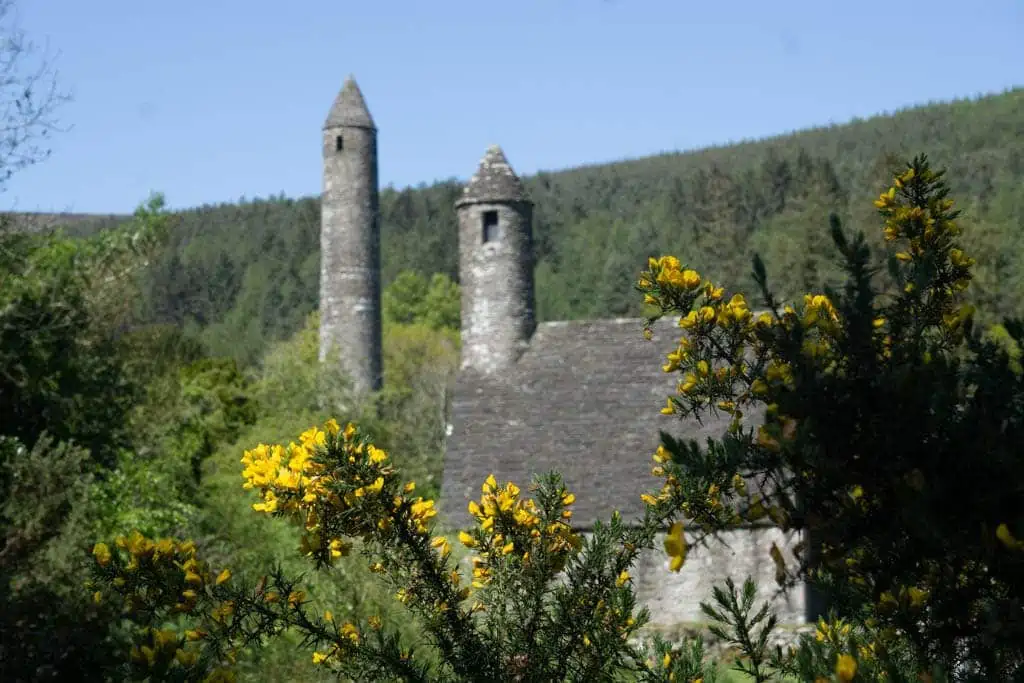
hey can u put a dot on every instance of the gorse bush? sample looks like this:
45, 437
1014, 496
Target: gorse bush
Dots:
879, 422
891, 434
289, 388
62, 307
537, 603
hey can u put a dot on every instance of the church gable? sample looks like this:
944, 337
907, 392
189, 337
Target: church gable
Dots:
583, 400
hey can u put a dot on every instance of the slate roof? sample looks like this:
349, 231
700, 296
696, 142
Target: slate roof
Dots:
349, 108
584, 400
494, 181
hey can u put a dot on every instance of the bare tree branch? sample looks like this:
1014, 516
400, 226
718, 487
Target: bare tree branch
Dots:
29, 97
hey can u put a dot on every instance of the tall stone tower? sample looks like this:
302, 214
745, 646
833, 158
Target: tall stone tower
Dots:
350, 324
495, 266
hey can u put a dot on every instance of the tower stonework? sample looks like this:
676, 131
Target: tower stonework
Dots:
350, 316
495, 266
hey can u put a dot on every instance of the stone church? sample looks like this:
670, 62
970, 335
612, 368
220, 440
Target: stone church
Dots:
579, 397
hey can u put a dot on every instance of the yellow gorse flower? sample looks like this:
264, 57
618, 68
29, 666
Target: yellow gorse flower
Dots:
832, 632
102, 554
137, 563
509, 526
331, 475
846, 667
675, 546
1007, 538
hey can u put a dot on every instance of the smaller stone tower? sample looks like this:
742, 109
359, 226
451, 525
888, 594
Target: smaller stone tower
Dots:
495, 266
350, 323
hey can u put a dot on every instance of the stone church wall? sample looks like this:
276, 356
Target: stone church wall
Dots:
675, 598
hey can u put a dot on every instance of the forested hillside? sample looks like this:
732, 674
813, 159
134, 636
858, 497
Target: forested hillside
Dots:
243, 274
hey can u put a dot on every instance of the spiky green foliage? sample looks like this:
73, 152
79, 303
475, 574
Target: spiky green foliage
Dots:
891, 433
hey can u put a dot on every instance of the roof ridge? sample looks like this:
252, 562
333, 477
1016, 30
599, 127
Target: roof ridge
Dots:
349, 108
673, 320
586, 321
494, 181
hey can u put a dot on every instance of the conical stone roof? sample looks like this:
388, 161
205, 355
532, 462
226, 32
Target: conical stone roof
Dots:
349, 108
494, 181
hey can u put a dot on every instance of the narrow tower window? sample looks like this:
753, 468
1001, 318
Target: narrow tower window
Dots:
339, 144
490, 226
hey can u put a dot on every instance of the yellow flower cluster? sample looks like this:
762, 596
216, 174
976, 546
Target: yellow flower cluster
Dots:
165, 651
703, 384
161, 647
731, 504
347, 636
722, 336
271, 469
512, 527
1007, 538
820, 313
146, 556
341, 487
716, 312
924, 227
846, 667
668, 285
835, 632
905, 598
661, 458
667, 272
929, 231
337, 485
164, 573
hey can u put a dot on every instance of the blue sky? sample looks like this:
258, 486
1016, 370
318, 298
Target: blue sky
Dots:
208, 101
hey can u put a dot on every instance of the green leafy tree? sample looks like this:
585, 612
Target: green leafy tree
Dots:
61, 314
412, 408
218, 405
66, 394
413, 299
49, 629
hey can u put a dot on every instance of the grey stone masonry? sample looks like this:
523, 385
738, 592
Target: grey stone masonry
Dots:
350, 316
584, 400
675, 598
495, 267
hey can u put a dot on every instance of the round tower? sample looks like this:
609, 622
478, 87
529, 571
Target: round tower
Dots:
350, 324
495, 266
